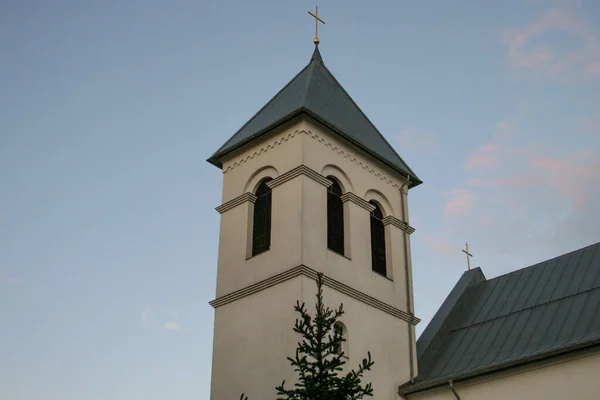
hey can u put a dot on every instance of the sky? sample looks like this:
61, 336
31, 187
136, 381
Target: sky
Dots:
109, 109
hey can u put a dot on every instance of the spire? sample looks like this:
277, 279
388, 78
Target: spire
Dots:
315, 93
316, 55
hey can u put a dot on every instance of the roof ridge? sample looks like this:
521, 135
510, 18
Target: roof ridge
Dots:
316, 60
369, 121
262, 108
544, 261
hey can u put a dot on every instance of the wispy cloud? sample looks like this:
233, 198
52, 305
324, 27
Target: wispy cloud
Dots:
171, 326
576, 54
529, 195
502, 126
460, 202
576, 177
152, 318
438, 245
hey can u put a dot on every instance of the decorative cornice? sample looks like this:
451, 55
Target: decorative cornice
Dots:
279, 140
236, 202
349, 196
301, 170
311, 273
391, 220
328, 143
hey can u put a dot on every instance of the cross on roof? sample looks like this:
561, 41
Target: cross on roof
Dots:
317, 20
468, 256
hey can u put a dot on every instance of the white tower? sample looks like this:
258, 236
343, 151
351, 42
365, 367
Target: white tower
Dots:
309, 184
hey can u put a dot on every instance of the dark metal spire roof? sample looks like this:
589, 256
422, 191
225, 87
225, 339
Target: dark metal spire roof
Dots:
533, 313
316, 93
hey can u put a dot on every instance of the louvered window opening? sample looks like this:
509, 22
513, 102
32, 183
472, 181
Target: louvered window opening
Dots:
338, 331
378, 241
335, 218
261, 228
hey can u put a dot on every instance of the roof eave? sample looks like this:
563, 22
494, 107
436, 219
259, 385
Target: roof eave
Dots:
411, 388
216, 158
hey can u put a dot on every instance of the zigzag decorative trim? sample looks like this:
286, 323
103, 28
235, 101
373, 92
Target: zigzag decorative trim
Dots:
282, 139
236, 202
349, 196
263, 149
311, 273
352, 158
390, 219
301, 170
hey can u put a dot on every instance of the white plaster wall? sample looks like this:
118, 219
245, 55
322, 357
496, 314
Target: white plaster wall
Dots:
236, 269
575, 378
252, 338
370, 329
299, 215
257, 330
321, 151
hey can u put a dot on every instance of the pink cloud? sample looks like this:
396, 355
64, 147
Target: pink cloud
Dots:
436, 244
486, 156
460, 201
575, 177
545, 58
171, 326
531, 198
504, 125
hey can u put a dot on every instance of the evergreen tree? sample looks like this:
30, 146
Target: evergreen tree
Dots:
319, 361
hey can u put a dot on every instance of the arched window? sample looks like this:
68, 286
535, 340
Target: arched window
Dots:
261, 228
377, 241
335, 218
340, 330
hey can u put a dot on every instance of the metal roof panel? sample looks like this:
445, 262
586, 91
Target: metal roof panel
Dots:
541, 309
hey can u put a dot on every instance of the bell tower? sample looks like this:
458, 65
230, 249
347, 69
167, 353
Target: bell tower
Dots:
310, 185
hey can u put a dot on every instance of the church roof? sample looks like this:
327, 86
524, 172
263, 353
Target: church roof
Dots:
530, 314
316, 93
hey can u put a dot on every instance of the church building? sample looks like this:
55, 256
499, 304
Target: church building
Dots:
310, 185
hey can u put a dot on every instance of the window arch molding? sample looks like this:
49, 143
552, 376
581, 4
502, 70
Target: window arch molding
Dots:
258, 176
381, 200
341, 177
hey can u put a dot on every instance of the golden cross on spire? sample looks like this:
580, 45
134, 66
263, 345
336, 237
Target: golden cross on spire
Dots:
317, 20
468, 256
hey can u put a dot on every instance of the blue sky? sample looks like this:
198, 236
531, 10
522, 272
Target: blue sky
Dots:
108, 110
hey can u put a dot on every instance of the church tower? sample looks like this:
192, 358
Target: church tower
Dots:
310, 185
